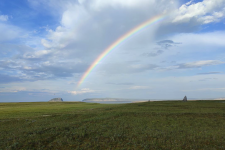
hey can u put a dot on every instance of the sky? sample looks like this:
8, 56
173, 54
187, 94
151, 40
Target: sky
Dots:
46, 46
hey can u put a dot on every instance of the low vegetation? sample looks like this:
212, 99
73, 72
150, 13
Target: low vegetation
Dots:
149, 125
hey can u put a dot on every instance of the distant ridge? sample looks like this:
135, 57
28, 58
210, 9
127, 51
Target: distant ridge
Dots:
112, 100
219, 99
126, 100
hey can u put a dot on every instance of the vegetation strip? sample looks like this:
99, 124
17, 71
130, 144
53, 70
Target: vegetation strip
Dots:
158, 125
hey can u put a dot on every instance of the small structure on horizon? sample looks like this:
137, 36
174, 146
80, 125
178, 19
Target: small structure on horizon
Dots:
185, 99
56, 100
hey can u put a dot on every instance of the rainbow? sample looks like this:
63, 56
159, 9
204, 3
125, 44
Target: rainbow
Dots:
118, 42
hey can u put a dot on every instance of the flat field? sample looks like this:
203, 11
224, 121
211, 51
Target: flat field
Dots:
149, 125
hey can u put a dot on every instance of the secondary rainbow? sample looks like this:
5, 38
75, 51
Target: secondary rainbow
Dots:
118, 42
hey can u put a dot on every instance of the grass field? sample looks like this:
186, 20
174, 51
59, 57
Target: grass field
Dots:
149, 125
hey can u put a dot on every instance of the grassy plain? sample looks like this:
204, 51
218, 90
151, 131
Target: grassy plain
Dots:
149, 125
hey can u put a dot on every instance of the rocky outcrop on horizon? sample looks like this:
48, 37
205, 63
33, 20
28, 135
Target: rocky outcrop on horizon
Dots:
56, 100
185, 98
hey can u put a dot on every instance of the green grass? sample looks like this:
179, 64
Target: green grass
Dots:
150, 125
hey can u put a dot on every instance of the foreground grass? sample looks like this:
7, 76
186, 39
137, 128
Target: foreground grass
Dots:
150, 125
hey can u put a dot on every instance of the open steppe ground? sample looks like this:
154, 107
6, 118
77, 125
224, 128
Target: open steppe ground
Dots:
149, 125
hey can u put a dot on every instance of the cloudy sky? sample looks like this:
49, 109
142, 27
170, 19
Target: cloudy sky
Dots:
47, 45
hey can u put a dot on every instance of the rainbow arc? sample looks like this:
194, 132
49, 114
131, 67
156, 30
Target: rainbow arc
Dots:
118, 42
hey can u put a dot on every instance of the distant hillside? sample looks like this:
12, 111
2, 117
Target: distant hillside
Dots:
219, 99
124, 100
111, 100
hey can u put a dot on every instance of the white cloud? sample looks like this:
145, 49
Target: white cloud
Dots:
101, 4
208, 38
46, 43
9, 32
201, 63
84, 22
206, 89
82, 91
74, 16
139, 87
214, 17
190, 2
204, 12
57, 38
195, 64
4, 17
36, 54
12, 89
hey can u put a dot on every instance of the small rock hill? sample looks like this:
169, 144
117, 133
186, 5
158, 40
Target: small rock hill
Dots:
56, 100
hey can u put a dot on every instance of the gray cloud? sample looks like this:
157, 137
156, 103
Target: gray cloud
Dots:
174, 28
120, 68
167, 43
28, 64
153, 54
206, 73
196, 64
162, 46
206, 79
59, 69
8, 79
163, 61
24, 70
